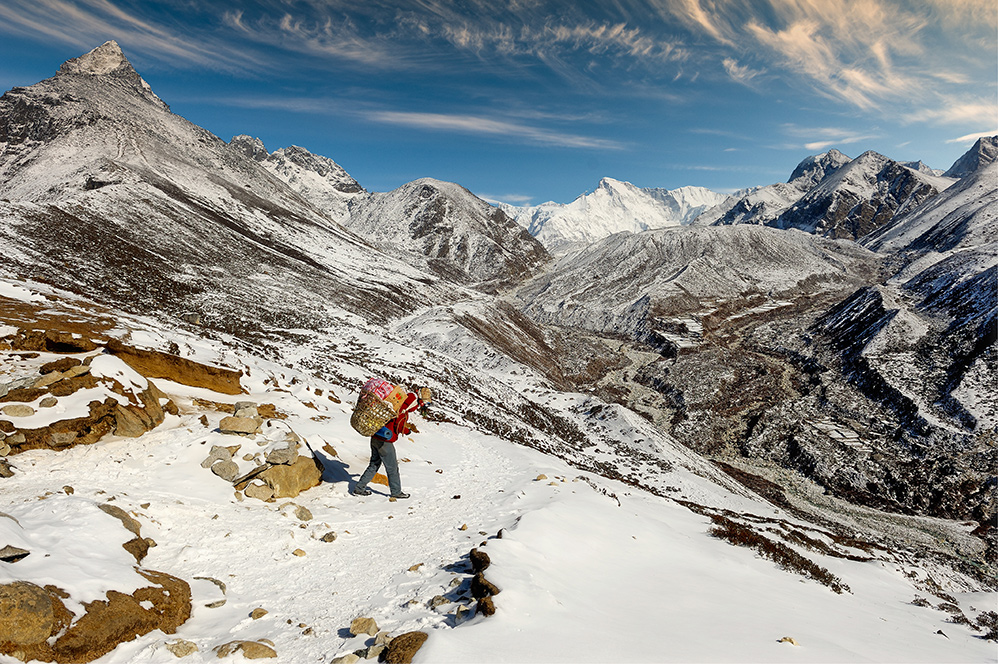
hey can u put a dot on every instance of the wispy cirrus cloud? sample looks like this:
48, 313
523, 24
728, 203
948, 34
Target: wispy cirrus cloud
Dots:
473, 124
825, 137
970, 139
86, 23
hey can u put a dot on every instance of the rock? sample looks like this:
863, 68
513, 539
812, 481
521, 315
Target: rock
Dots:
217, 604
128, 423
5, 470
248, 649
303, 513
80, 370
48, 379
59, 439
415, 568
540, 477
259, 491
289, 481
68, 490
790, 640
127, 521
382, 638
241, 426
298, 552
364, 626
11, 554
349, 658
330, 450
486, 606
283, 455
26, 613
210, 579
371, 651
438, 600
404, 647
18, 410
60, 365
16, 439
218, 453
480, 561
461, 613
482, 587
245, 409
227, 470
203, 420
139, 547
4, 449
256, 614
328, 537
48, 402
154, 364
181, 647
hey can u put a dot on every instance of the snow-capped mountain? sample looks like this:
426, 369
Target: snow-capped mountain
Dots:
832, 195
614, 206
616, 421
448, 230
984, 151
318, 179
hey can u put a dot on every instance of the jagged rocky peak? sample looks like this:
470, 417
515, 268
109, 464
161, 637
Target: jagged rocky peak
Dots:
250, 147
814, 168
105, 60
984, 152
324, 167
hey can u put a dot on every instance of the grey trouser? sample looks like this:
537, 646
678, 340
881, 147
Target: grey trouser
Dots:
382, 452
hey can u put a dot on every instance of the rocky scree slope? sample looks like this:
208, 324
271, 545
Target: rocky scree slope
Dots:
318, 179
444, 228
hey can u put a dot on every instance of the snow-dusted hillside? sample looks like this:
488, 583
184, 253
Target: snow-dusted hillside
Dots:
319, 180
834, 196
446, 229
614, 206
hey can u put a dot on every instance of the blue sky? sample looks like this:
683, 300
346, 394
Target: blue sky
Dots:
531, 100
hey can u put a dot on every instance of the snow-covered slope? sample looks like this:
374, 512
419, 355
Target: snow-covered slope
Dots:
614, 206
319, 180
832, 195
110, 192
445, 228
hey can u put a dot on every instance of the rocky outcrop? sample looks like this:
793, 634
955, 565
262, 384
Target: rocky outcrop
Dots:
35, 623
156, 364
404, 647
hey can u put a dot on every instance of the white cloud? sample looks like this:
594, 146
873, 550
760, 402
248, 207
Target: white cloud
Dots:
740, 73
970, 139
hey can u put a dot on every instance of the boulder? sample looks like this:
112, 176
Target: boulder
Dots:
60, 439
11, 554
258, 613
260, 491
303, 513
127, 521
51, 341
364, 626
48, 402
241, 426
328, 537
245, 409
26, 613
404, 647
285, 455
17, 410
4, 448
486, 606
227, 470
248, 649
289, 481
60, 365
482, 587
181, 647
219, 453
479, 560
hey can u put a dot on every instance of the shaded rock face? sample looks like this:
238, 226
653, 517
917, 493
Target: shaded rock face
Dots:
404, 647
984, 152
106, 623
156, 364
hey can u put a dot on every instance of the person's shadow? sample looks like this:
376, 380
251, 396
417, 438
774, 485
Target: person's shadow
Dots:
333, 470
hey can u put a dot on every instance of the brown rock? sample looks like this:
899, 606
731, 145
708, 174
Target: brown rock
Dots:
482, 587
127, 521
48, 402
248, 649
364, 626
298, 552
289, 481
139, 547
181, 647
18, 410
479, 560
51, 341
60, 365
486, 606
26, 614
256, 614
404, 647
259, 491
155, 364
11, 554
238, 425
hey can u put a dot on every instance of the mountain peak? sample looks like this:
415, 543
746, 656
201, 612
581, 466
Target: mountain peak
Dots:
103, 60
984, 151
816, 167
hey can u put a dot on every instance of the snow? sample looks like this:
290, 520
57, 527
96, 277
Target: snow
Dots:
19, 293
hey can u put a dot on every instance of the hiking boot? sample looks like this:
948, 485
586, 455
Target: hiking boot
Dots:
402, 495
361, 491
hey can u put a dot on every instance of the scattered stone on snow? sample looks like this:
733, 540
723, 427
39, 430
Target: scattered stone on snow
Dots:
298, 552
439, 600
211, 579
68, 490
5, 470
127, 521
248, 649
240, 426
349, 658
219, 453
227, 470
482, 587
18, 410
216, 604
328, 537
404, 647
330, 450
540, 477
48, 402
260, 491
181, 647
486, 606
364, 626
480, 560
383, 638
258, 613
790, 640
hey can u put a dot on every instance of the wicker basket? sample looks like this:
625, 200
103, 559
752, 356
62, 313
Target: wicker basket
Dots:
370, 414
